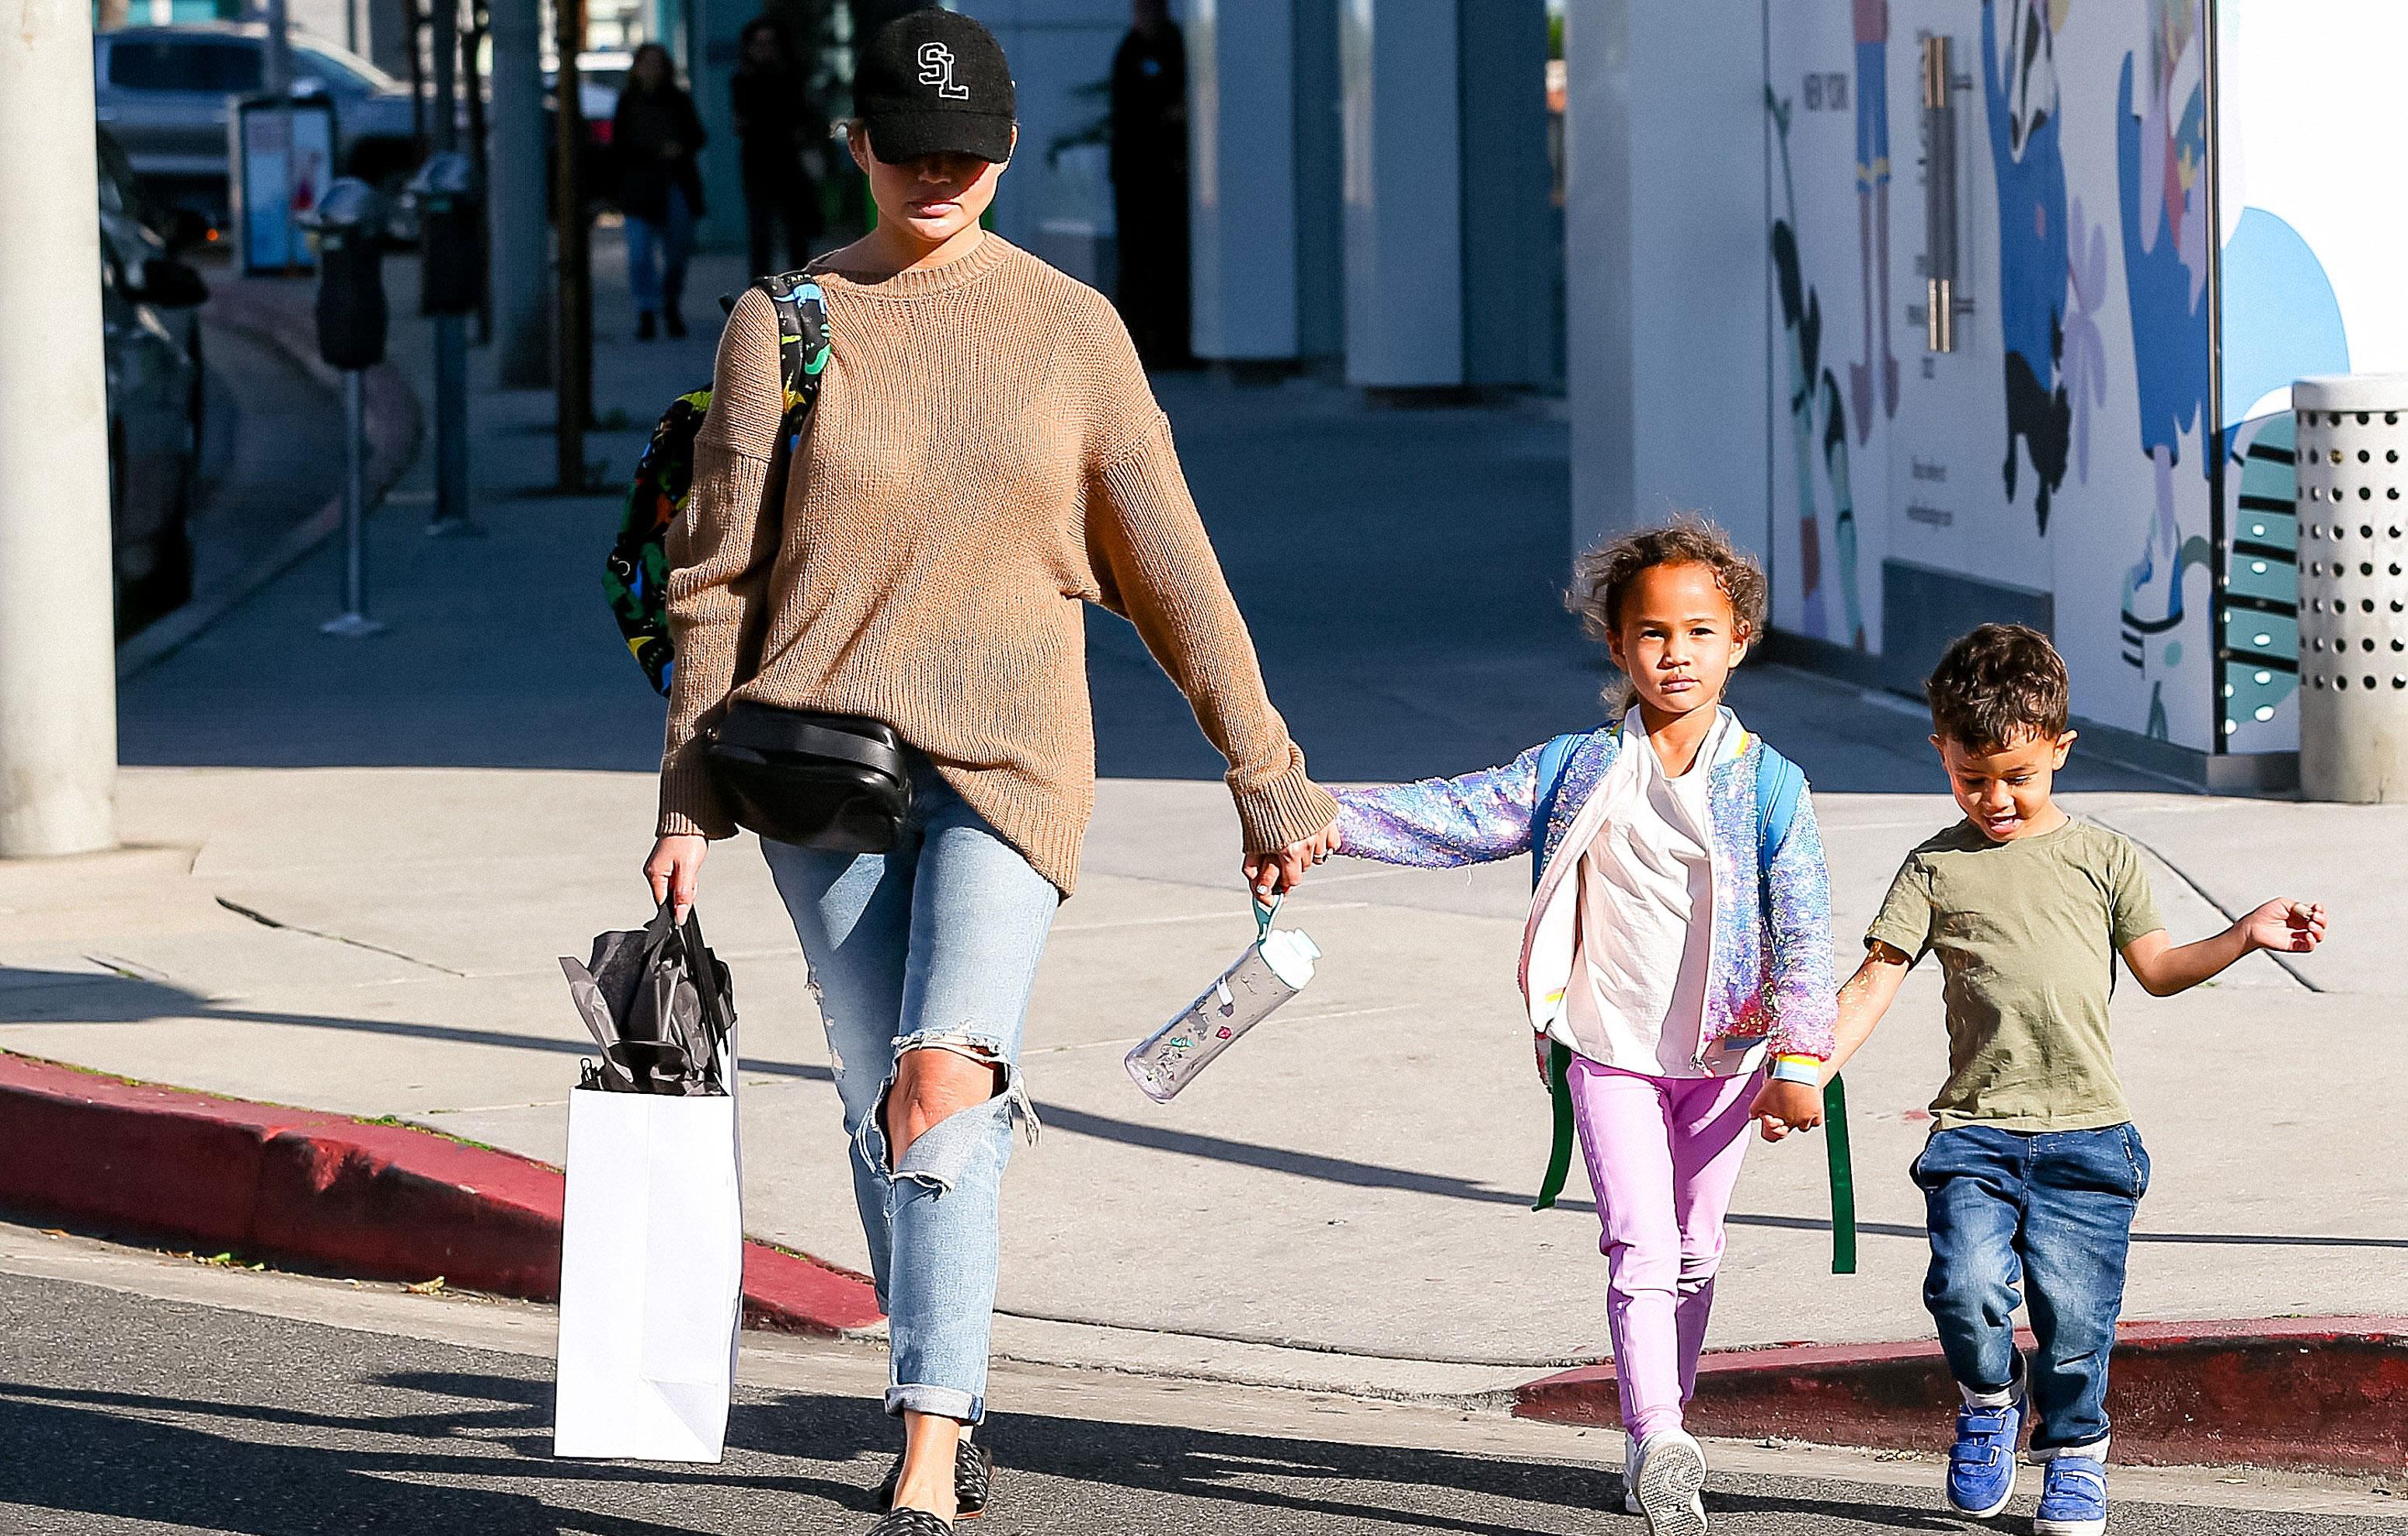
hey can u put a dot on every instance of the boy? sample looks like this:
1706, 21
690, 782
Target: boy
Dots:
2033, 1170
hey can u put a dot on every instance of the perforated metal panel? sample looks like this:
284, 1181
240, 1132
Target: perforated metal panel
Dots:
2352, 472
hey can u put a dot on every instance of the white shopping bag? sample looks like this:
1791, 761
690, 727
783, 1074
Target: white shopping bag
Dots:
652, 1276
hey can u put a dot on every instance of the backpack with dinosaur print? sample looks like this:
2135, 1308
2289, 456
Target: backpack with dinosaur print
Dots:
636, 576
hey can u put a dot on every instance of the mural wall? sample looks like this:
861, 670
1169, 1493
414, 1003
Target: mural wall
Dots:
2060, 460
2310, 283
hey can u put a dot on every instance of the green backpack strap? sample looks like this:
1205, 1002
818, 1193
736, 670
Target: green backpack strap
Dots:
1554, 758
1779, 783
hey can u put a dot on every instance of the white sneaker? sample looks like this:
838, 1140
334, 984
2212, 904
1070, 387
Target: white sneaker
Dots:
1662, 1476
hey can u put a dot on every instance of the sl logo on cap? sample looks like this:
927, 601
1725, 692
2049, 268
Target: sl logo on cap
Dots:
937, 70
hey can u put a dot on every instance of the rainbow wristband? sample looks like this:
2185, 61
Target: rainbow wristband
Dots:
1805, 1070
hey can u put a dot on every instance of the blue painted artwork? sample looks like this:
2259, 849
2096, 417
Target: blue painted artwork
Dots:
2020, 98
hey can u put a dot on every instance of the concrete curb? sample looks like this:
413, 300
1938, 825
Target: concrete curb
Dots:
370, 1198
2327, 1394
394, 426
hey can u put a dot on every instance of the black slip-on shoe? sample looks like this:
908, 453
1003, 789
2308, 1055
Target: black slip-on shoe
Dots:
973, 1481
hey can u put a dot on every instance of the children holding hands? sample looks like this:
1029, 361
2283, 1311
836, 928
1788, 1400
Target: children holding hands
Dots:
1677, 973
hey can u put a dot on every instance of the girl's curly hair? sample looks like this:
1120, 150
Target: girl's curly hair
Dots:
1602, 577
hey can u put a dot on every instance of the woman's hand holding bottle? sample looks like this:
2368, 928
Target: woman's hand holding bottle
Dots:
1276, 874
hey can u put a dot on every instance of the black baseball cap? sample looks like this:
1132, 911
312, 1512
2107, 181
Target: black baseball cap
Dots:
933, 81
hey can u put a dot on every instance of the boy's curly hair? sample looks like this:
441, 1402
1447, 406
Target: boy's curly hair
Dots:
1997, 686
1601, 576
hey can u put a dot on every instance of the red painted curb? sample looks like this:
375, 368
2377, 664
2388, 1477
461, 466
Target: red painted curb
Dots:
377, 1200
2321, 1393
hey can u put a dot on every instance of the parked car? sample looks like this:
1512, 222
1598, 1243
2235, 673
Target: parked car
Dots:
152, 343
601, 75
164, 91
148, 242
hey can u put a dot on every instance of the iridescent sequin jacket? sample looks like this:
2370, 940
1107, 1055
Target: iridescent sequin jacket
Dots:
1770, 977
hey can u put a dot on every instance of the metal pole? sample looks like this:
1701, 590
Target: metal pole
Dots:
574, 378
413, 26
354, 623
451, 331
472, 46
522, 251
58, 670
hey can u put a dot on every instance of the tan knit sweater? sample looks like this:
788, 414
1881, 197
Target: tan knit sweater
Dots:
984, 457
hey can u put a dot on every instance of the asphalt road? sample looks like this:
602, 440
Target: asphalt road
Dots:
124, 1413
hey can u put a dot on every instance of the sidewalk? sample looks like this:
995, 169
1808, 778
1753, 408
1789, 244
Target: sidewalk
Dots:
349, 866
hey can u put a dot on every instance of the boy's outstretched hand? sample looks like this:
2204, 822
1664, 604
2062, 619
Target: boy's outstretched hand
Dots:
1781, 1108
2285, 926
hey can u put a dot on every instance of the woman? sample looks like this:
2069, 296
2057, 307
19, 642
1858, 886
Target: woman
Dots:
778, 124
656, 134
984, 456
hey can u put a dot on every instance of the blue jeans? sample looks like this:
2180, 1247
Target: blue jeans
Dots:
931, 946
657, 255
2050, 1213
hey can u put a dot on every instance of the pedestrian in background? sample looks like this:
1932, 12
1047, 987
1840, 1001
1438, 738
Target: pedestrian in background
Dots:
984, 459
779, 126
1149, 183
656, 135
1676, 965
2033, 1170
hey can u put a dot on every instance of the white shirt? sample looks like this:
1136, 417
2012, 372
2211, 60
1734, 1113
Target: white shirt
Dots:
1645, 911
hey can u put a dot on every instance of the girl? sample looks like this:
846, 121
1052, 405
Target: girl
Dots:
984, 459
1677, 971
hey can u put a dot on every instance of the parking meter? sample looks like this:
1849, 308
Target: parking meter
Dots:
450, 237
349, 223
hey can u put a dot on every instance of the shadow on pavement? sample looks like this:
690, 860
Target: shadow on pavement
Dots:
35, 997
267, 1470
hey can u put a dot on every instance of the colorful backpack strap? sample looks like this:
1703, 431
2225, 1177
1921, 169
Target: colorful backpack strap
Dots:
1554, 758
802, 358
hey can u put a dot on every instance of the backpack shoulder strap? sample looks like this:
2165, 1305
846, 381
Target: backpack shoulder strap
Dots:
802, 358
1779, 783
802, 338
1554, 758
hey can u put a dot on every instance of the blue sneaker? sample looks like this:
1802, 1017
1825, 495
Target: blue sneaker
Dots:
2072, 1497
1982, 1463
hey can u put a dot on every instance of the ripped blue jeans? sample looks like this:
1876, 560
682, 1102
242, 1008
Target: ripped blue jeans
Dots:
931, 946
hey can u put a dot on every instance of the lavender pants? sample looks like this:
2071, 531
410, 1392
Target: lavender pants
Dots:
1662, 1153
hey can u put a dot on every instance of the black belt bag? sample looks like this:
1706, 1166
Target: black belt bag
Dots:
837, 783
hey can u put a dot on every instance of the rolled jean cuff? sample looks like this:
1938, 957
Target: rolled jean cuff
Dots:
2095, 1451
942, 1402
2004, 1396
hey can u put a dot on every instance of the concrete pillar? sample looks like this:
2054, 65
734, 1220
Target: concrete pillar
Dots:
1057, 199
1667, 274
58, 677
1268, 158
522, 239
1446, 192
716, 26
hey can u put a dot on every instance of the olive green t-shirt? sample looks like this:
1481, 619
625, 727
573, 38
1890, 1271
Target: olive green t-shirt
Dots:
2026, 932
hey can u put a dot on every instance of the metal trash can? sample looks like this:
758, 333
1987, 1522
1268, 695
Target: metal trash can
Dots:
2353, 562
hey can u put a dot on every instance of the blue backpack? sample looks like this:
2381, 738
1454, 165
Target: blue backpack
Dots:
1779, 782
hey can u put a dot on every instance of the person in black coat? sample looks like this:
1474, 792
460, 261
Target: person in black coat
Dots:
780, 127
1149, 183
656, 134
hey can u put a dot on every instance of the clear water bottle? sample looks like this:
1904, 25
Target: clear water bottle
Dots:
1275, 967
